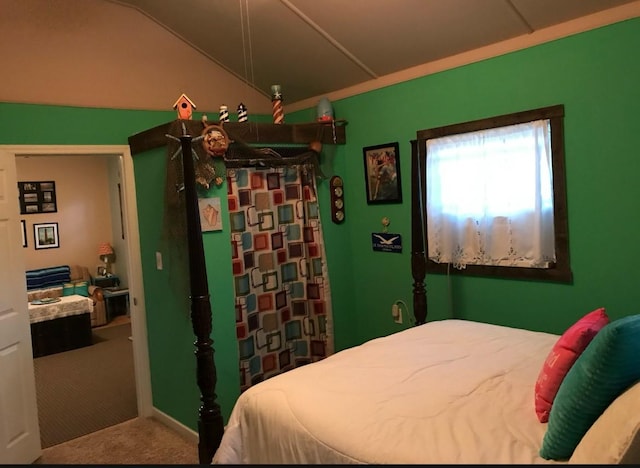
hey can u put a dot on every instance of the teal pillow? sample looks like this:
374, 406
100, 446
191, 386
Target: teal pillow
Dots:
82, 288
606, 368
68, 289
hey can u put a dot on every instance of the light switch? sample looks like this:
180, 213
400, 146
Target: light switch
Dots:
158, 260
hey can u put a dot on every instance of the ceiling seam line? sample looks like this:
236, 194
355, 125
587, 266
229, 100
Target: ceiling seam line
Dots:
520, 15
329, 38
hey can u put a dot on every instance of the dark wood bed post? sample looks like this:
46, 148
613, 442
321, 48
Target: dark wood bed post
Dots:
210, 423
418, 259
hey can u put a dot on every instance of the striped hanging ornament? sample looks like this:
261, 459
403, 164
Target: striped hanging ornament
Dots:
276, 100
224, 114
242, 113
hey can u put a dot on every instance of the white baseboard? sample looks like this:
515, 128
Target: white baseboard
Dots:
177, 426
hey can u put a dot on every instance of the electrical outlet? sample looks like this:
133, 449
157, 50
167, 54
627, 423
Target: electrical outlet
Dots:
158, 260
396, 313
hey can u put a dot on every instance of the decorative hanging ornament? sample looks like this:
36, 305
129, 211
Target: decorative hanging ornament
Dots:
242, 113
224, 113
215, 140
276, 100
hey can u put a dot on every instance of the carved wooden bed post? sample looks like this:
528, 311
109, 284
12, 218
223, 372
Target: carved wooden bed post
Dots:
210, 423
418, 259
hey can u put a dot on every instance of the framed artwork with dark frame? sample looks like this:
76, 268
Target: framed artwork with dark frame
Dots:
37, 197
382, 173
23, 227
45, 236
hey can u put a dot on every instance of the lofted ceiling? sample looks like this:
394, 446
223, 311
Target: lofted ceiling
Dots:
315, 47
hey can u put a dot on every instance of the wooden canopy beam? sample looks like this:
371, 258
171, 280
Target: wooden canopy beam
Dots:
248, 132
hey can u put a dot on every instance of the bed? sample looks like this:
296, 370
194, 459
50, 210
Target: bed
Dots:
60, 324
447, 391
443, 392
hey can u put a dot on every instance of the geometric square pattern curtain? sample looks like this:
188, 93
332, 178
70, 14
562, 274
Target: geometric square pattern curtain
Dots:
282, 296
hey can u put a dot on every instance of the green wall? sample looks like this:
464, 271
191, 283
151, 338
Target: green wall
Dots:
594, 74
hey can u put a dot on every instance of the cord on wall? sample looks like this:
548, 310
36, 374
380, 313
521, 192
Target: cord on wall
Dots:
452, 314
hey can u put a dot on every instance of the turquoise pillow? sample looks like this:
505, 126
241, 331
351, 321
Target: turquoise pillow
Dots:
82, 288
68, 289
606, 368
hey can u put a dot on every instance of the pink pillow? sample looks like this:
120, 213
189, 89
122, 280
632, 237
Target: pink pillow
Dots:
562, 356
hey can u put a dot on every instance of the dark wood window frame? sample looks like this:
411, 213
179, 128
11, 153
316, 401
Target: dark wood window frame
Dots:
560, 271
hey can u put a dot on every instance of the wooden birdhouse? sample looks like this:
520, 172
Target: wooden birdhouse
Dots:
184, 106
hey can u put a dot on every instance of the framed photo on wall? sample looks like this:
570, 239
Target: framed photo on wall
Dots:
45, 236
382, 173
23, 228
37, 197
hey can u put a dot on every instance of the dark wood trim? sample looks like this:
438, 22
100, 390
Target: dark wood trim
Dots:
248, 132
555, 273
493, 122
418, 265
559, 272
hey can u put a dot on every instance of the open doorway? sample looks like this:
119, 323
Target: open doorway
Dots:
119, 162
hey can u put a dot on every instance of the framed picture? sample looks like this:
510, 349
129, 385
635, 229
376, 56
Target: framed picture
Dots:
37, 197
382, 173
210, 214
45, 236
23, 226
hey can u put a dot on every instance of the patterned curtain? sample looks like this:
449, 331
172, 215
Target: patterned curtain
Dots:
282, 296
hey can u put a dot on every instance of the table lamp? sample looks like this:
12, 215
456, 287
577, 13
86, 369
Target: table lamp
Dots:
106, 254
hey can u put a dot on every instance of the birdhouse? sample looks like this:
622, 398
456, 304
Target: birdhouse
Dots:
184, 106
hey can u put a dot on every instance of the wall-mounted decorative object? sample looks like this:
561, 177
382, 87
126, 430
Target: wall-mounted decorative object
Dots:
386, 242
37, 197
337, 199
23, 226
210, 214
382, 173
385, 223
215, 140
45, 236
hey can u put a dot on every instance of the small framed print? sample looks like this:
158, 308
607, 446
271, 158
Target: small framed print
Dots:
382, 173
23, 227
45, 236
210, 214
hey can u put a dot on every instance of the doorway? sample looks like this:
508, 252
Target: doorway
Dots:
120, 158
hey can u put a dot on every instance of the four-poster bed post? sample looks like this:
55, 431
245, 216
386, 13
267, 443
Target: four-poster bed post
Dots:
210, 423
418, 260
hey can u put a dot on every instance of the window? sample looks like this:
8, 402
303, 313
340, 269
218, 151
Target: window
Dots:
495, 201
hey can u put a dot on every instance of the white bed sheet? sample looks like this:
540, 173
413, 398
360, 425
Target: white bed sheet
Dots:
449, 391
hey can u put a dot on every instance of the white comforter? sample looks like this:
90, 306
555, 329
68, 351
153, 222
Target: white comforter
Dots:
450, 391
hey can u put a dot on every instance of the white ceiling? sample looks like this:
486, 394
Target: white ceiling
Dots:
314, 47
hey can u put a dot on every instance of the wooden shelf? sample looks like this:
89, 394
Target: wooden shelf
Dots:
248, 132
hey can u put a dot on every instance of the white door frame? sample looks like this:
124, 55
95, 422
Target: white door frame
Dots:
134, 268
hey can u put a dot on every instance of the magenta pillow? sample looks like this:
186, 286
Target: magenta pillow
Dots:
562, 356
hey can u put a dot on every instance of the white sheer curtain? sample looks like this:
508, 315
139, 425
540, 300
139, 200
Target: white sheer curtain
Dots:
490, 197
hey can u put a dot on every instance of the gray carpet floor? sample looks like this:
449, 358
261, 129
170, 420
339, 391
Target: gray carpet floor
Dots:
84, 390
